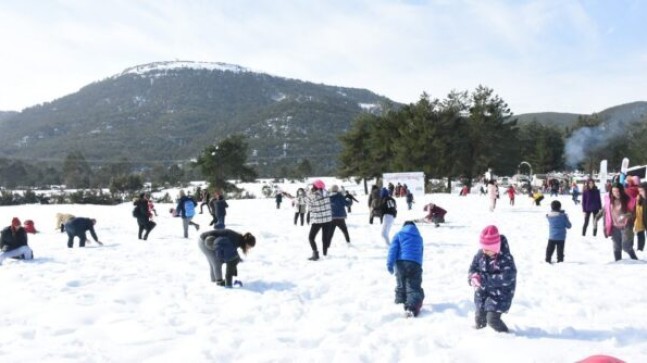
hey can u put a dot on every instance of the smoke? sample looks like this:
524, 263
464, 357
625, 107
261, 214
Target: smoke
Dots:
587, 140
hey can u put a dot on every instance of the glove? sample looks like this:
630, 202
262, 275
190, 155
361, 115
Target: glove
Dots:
475, 280
390, 268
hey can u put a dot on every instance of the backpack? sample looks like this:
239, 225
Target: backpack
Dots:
189, 208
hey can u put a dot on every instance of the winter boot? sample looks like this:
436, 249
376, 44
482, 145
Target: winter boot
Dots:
584, 231
495, 322
595, 231
480, 320
617, 255
315, 256
220, 282
632, 254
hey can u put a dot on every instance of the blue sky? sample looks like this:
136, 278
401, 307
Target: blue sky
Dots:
544, 55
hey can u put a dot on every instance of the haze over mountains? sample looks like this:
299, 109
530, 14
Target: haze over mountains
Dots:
167, 112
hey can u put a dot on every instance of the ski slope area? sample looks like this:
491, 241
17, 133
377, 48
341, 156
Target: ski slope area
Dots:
153, 301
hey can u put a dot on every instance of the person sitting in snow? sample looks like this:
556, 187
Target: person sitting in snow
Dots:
435, 214
13, 242
76, 227
493, 275
220, 246
405, 260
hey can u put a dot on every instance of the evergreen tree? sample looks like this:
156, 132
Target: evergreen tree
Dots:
76, 171
225, 161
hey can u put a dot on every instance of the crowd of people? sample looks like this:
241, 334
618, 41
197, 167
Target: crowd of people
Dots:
492, 272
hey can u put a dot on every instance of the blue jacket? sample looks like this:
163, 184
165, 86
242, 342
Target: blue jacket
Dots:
498, 279
338, 205
557, 224
406, 245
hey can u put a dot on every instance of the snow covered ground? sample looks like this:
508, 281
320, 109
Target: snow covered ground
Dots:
152, 301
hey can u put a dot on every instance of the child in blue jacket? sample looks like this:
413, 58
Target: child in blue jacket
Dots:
493, 275
405, 259
558, 223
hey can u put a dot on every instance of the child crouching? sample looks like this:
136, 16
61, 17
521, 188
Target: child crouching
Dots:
405, 259
493, 275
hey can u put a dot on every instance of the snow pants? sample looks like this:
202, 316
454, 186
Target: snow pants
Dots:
16, 252
408, 289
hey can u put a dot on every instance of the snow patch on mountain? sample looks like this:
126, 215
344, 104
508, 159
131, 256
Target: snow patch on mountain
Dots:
163, 67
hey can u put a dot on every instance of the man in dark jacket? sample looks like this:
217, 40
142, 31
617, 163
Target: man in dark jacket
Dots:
76, 227
143, 215
13, 242
219, 207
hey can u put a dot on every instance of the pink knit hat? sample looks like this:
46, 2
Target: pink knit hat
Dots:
490, 239
319, 184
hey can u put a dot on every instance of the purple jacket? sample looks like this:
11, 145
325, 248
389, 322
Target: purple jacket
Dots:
591, 200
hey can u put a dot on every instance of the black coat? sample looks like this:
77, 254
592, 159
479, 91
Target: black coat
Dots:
78, 226
10, 240
141, 211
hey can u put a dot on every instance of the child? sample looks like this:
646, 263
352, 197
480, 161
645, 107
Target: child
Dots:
537, 196
558, 223
575, 193
511, 193
493, 275
220, 247
405, 259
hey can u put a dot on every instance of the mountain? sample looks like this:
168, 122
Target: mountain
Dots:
5, 115
167, 112
621, 114
556, 119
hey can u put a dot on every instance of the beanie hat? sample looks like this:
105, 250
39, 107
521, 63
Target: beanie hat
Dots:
384, 193
490, 239
319, 184
334, 188
15, 222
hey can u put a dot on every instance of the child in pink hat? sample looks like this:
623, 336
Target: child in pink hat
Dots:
493, 275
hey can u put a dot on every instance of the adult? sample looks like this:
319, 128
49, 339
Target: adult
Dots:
435, 214
299, 204
219, 208
389, 212
338, 205
76, 227
321, 218
220, 247
186, 209
144, 216
13, 242
619, 222
375, 204
278, 198
349, 199
206, 199
591, 205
